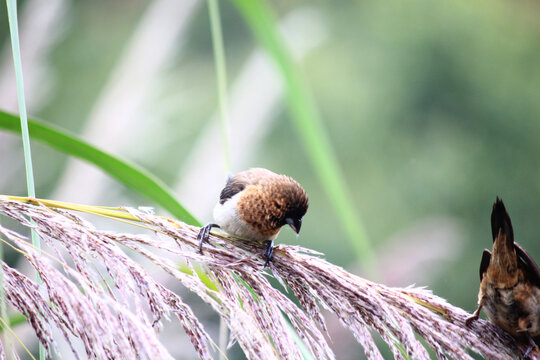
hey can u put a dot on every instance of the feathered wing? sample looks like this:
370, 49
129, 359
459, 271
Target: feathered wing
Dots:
530, 265
484, 263
238, 182
500, 220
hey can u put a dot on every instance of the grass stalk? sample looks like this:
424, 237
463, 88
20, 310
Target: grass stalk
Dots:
17, 62
14, 32
221, 73
413, 322
309, 126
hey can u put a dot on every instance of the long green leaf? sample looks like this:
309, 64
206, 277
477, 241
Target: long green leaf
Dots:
128, 174
308, 124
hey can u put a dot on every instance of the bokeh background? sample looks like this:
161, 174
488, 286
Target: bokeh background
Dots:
432, 109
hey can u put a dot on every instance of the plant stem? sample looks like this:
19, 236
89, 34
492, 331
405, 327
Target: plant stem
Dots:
221, 73
310, 127
15, 48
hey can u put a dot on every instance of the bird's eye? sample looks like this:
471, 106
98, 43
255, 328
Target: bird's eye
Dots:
277, 205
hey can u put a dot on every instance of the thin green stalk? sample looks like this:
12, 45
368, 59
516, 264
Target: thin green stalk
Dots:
309, 125
306, 354
221, 73
15, 48
223, 338
13, 27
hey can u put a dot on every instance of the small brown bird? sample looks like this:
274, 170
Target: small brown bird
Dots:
509, 283
255, 204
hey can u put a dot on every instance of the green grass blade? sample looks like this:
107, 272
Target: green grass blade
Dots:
17, 64
221, 75
14, 32
308, 124
128, 174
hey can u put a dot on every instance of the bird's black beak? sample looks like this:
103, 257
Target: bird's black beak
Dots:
295, 224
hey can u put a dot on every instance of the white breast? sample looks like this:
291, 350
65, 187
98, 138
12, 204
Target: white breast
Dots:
226, 216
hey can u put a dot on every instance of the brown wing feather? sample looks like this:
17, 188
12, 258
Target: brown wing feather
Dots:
530, 264
500, 220
232, 188
238, 182
484, 263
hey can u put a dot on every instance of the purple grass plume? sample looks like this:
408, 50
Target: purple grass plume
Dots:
96, 295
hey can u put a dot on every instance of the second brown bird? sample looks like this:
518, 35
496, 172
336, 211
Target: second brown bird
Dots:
509, 282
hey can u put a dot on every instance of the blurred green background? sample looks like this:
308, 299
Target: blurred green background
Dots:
432, 109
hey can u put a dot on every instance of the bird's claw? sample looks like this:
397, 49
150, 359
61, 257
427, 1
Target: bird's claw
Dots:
475, 315
204, 234
470, 319
268, 251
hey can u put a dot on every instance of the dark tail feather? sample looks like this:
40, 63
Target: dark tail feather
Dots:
500, 220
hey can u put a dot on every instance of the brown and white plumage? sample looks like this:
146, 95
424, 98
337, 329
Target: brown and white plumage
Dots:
509, 282
256, 203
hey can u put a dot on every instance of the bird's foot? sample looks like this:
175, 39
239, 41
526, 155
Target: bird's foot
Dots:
474, 315
204, 234
470, 319
268, 251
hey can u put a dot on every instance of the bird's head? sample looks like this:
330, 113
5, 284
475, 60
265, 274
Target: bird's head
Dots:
268, 201
294, 216
291, 202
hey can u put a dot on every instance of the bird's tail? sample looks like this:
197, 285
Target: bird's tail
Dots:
500, 220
